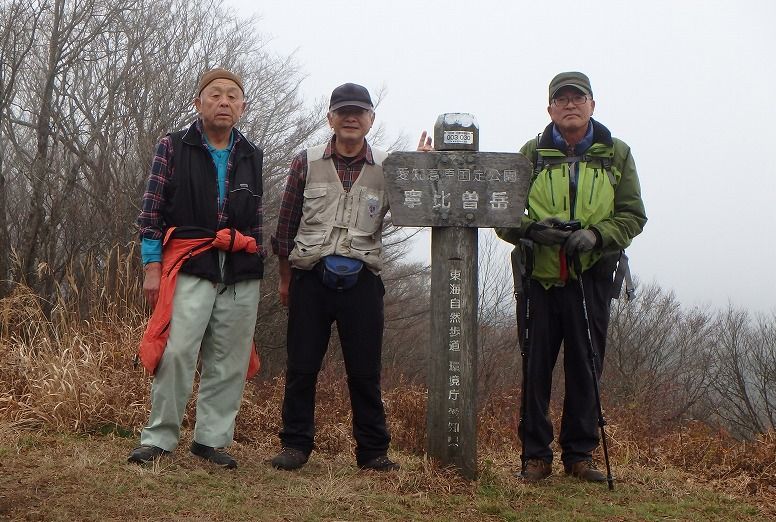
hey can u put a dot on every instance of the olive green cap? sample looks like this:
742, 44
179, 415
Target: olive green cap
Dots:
570, 79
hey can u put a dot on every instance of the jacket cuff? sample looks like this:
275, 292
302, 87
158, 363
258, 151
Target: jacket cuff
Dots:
598, 239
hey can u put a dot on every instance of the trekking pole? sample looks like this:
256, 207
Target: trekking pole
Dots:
524, 352
593, 367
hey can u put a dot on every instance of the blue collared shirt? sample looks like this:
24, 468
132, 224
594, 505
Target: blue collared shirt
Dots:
221, 161
579, 148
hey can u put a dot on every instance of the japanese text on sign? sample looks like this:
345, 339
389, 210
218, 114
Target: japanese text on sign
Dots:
454, 358
406, 174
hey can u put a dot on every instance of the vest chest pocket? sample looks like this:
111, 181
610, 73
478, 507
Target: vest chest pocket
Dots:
314, 208
369, 212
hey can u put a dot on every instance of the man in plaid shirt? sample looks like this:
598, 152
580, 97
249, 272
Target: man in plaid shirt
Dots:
329, 248
205, 184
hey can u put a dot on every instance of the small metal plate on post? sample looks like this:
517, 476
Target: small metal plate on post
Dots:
457, 131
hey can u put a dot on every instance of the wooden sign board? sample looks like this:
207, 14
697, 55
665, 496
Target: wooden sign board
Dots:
457, 188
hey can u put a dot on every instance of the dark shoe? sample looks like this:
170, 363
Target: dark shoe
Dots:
535, 470
381, 463
146, 454
585, 470
217, 456
289, 459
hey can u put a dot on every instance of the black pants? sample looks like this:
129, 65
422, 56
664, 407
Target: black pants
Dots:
358, 312
557, 317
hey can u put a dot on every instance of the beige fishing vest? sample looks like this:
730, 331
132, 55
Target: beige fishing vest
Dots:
337, 222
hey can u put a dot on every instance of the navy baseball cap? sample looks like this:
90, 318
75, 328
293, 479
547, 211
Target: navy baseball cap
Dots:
350, 94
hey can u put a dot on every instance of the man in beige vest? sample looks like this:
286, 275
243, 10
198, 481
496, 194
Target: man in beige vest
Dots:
329, 248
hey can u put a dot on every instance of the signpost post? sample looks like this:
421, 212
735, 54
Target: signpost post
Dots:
455, 190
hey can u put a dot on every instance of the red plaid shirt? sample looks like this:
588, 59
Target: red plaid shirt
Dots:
290, 214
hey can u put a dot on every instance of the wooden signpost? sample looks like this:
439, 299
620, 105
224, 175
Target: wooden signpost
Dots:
455, 190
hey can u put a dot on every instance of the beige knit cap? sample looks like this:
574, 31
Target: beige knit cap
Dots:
218, 73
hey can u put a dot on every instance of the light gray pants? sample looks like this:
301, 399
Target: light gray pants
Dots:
216, 323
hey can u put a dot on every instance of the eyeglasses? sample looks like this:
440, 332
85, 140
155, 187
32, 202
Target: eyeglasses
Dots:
562, 101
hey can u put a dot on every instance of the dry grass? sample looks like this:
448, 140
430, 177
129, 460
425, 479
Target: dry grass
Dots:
64, 371
714, 457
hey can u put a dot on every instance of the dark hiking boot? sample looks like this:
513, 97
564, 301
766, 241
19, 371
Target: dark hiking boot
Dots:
289, 459
145, 454
217, 456
381, 463
585, 470
535, 470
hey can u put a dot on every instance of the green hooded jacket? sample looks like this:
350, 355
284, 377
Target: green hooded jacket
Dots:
607, 201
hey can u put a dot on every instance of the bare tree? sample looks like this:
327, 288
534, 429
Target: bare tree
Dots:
499, 355
18, 29
745, 361
655, 348
67, 31
763, 360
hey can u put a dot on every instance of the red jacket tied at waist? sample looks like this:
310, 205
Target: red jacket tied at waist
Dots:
175, 252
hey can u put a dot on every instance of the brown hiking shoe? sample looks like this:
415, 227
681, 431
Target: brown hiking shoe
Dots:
585, 470
289, 459
535, 470
381, 463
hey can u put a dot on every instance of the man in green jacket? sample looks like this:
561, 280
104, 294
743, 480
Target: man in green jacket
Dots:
586, 180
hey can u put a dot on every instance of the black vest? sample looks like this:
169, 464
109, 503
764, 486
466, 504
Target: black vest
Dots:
191, 199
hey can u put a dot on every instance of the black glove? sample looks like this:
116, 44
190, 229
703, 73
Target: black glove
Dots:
545, 233
580, 241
